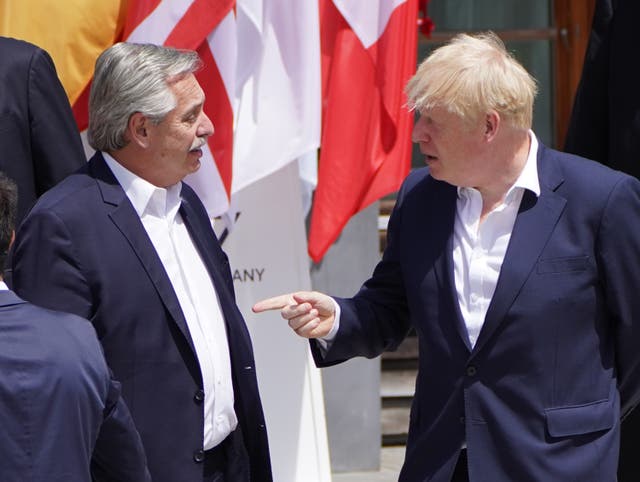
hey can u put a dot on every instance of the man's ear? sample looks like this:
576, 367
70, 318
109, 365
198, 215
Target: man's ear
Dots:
492, 124
137, 129
13, 238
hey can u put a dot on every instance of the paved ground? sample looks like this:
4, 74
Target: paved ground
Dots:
390, 462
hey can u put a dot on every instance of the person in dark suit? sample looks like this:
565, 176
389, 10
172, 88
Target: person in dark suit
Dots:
125, 243
605, 127
605, 124
39, 139
518, 267
62, 417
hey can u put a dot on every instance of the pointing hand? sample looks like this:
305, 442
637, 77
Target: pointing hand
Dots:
310, 314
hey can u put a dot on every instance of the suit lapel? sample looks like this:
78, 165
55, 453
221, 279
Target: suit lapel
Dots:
127, 221
534, 224
443, 265
202, 240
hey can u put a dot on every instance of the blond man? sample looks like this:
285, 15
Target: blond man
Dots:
518, 268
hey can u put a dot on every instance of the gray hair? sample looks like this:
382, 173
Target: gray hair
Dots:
8, 208
471, 75
132, 78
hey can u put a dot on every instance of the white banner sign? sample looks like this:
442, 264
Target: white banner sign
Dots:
268, 256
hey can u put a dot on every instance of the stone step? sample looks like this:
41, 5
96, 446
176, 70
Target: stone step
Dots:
397, 383
396, 393
408, 350
394, 421
397, 387
398, 368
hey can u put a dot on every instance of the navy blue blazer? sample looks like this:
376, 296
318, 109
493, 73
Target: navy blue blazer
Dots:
58, 404
83, 249
605, 127
39, 141
540, 395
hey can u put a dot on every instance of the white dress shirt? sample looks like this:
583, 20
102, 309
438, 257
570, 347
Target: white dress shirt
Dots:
158, 210
479, 248
3, 286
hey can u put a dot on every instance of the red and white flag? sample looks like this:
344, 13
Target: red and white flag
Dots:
368, 54
261, 78
207, 26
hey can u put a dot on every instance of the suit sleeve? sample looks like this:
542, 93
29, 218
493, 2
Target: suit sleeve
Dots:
376, 319
47, 273
118, 453
55, 141
46, 270
619, 253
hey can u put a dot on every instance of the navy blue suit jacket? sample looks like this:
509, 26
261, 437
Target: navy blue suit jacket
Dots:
58, 404
39, 141
605, 126
83, 249
540, 395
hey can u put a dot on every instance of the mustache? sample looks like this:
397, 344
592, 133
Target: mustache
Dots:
198, 143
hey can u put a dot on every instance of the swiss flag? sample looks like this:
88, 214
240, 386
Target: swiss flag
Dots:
368, 54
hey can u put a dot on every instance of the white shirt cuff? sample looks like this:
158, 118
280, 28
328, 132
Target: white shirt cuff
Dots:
326, 341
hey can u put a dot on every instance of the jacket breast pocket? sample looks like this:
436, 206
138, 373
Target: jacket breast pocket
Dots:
580, 420
563, 265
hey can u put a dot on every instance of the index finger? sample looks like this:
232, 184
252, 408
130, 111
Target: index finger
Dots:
275, 303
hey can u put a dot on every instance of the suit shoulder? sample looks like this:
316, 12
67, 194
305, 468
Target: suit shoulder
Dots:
584, 174
419, 184
61, 328
65, 343
74, 189
20, 58
415, 177
19, 49
54, 357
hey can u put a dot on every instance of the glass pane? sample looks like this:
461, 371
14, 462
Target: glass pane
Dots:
489, 14
536, 57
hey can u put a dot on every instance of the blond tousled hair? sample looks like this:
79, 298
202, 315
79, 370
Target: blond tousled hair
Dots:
471, 75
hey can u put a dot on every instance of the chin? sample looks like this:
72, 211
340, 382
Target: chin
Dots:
434, 171
195, 166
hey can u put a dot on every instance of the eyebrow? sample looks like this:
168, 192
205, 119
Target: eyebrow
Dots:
194, 109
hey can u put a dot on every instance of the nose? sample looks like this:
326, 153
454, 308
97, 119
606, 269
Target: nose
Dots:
205, 128
419, 133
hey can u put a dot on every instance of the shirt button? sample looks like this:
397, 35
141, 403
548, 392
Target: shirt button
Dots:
471, 371
198, 397
198, 456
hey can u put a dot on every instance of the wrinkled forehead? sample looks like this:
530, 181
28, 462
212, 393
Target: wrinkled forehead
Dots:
439, 108
187, 86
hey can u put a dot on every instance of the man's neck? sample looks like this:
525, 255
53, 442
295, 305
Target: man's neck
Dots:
515, 153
